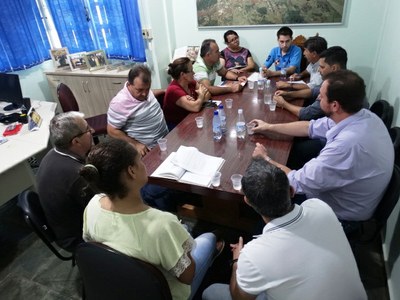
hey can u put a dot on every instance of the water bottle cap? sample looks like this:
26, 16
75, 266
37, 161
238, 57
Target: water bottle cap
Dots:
240, 110
215, 112
221, 106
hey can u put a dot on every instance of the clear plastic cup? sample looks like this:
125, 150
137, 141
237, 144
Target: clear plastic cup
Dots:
237, 181
272, 105
251, 84
163, 144
250, 127
267, 98
228, 103
199, 122
216, 179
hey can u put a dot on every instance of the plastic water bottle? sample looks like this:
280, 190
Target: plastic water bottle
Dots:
260, 81
222, 117
217, 133
268, 92
240, 125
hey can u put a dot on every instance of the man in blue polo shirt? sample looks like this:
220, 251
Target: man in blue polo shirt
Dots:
286, 57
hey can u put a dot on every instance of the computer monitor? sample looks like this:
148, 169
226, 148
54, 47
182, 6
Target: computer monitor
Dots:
10, 91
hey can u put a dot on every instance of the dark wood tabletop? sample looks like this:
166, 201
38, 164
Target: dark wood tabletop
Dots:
236, 152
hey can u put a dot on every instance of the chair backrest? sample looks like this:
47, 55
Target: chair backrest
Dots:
395, 136
389, 200
34, 216
66, 98
299, 41
383, 110
109, 274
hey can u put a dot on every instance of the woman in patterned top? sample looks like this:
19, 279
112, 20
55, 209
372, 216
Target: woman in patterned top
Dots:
234, 57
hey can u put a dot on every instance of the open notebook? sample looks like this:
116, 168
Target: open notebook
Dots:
189, 165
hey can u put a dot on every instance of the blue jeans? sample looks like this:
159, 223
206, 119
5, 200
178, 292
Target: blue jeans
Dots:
220, 291
202, 254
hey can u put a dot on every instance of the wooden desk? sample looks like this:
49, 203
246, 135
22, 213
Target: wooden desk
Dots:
15, 172
224, 205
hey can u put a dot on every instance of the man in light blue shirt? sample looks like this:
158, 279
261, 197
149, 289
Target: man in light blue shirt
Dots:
355, 166
286, 57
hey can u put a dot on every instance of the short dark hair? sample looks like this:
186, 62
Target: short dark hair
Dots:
347, 88
285, 31
228, 33
178, 66
315, 44
267, 189
140, 70
206, 46
335, 55
105, 164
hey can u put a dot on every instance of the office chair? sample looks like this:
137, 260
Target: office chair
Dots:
395, 136
299, 42
68, 103
34, 216
159, 94
370, 229
383, 110
109, 274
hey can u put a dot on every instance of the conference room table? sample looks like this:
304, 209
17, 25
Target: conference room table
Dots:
224, 205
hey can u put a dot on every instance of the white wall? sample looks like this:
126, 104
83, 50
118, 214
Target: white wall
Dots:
385, 85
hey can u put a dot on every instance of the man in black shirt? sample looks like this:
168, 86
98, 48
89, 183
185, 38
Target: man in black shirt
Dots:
60, 187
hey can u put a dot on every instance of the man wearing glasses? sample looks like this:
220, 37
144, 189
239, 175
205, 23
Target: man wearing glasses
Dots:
59, 185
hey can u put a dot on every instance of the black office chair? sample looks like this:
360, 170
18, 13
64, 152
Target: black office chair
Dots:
68, 103
109, 274
395, 136
370, 229
383, 110
34, 216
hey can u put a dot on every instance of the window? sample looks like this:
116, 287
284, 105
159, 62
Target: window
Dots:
23, 39
79, 25
111, 25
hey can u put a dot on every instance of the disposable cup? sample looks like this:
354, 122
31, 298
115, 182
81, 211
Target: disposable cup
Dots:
163, 144
250, 127
199, 122
237, 181
228, 103
251, 84
267, 98
216, 179
272, 105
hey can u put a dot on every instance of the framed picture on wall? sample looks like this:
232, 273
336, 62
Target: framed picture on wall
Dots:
96, 59
244, 13
77, 61
59, 57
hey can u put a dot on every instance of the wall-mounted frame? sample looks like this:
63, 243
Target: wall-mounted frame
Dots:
245, 13
96, 59
77, 61
59, 57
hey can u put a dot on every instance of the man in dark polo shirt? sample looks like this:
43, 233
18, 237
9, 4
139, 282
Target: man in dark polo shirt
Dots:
61, 190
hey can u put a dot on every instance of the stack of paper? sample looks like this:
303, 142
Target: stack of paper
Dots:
189, 165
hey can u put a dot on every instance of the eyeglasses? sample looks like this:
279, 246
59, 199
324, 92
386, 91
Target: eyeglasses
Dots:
88, 129
233, 39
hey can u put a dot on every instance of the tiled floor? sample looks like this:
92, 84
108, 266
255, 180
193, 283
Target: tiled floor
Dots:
28, 270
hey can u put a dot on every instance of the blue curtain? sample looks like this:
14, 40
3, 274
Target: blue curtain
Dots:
111, 25
23, 39
71, 20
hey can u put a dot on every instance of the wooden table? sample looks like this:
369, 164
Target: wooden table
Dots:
224, 205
